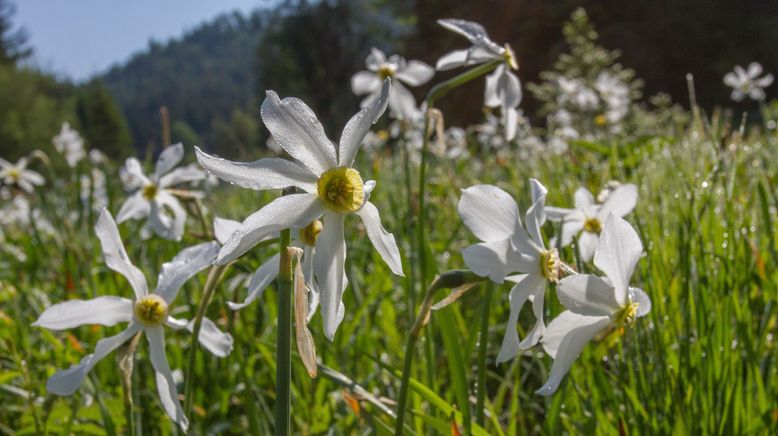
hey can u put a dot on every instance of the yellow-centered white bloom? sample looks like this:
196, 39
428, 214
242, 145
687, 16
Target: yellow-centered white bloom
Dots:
331, 189
154, 197
747, 82
503, 88
147, 313
18, 174
588, 217
594, 304
401, 101
510, 248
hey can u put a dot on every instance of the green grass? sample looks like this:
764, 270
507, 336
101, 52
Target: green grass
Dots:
702, 362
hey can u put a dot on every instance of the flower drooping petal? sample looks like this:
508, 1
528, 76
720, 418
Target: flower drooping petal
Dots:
329, 269
401, 102
382, 240
166, 385
587, 244
107, 311
358, 126
164, 225
618, 253
184, 266
528, 284
295, 127
264, 276
564, 339
496, 260
67, 381
115, 256
296, 210
168, 159
587, 294
268, 173
454, 59
489, 212
212, 338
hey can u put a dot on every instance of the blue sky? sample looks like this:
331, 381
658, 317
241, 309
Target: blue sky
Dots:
78, 38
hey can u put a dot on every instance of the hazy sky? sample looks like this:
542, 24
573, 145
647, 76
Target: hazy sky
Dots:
78, 38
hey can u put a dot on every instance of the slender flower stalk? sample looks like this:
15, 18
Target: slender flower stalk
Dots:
284, 339
215, 274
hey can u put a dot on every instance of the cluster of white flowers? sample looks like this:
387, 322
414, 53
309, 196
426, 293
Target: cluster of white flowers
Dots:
517, 253
70, 144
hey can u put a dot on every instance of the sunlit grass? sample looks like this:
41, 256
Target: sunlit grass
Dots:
703, 360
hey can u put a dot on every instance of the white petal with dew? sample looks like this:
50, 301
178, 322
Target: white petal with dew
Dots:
517, 297
382, 240
358, 126
107, 311
618, 253
268, 173
620, 202
329, 268
288, 211
184, 266
489, 212
212, 338
264, 276
564, 339
295, 127
166, 385
588, 295
67, 381
114, 254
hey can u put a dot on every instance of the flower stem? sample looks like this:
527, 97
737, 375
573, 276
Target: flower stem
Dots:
215, 275
482, 345
447, 280
284, 340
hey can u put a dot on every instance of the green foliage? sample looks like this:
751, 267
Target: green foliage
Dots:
32, 108
101, 121
13, 42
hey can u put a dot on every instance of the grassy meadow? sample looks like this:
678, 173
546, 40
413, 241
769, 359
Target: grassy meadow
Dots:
702, 362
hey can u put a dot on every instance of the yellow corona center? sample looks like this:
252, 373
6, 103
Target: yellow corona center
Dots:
592, 225
310, 232
600, 120
341, 189
510, 57
150, 191
150, 310
14, 174
626, 315
549, 265
385, 71
382, 134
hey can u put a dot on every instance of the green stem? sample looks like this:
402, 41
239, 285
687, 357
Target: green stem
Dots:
480, 418
215, 275
284, 341
448, 280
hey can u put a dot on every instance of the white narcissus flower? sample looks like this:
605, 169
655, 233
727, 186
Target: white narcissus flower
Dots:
594, 304
331, 188
154, 196
401, 101
588, 216
748, 82
508, 248
147, 314
18, 174
69, 143
503, 88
